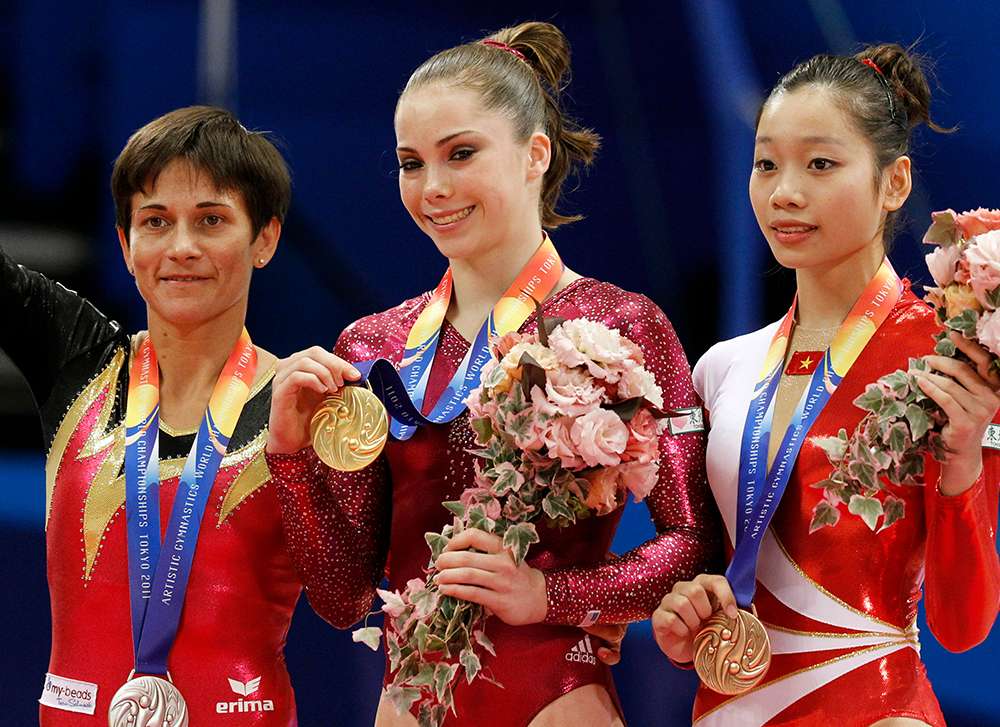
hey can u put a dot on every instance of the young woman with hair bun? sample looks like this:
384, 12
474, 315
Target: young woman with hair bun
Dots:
484, 148
839, 599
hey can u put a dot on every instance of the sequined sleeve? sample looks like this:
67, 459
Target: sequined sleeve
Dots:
337, 523
963, 571
688, 541
335, 527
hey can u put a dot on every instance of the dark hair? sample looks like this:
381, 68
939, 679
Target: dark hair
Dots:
885, 100
527, 87
214, 142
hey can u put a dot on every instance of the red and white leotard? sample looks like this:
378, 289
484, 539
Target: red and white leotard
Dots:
841, 604
340, 526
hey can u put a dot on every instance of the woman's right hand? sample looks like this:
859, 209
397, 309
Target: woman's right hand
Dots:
682, 612
301, 382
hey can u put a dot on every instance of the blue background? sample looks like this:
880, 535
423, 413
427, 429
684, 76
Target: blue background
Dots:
672, 88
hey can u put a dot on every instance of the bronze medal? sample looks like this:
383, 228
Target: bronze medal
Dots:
732, 655
148, 701
349, 428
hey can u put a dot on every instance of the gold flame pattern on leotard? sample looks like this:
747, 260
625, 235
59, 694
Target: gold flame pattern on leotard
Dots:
350, 428
732, 655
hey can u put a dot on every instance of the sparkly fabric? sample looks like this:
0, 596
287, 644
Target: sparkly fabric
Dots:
243, 586
339, 524
812, 587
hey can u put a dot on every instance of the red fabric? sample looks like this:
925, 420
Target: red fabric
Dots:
880, 573
240, 599
326, 521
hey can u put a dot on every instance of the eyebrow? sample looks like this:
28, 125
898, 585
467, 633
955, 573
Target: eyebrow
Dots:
440, 142
200, 205
831, 140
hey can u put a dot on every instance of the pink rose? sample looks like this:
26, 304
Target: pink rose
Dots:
600, 437
643, 438
639, 478
572, 391
984, 265
557, 435
942, 263
505, 343
988, 332
636, 382
978, 221
604, 495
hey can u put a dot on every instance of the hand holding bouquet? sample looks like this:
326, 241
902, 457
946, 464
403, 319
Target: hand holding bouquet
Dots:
569, 421
903, 424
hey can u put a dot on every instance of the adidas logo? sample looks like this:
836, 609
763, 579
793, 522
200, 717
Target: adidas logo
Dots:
582, 652
245, 689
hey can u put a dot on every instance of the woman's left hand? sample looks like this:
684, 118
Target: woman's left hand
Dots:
970, 401
475, 566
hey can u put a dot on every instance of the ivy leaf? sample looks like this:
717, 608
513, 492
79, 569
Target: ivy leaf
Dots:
402, 698
518, 538
444, 674
437, 542
919, 421
898, 382
479, 520
370, 637
556, 508
457, 508
894, 510
872, 399
471, 663
483, 429
835, 447
964, 322
869, 508
483, 640
993, 297
493, 378
945, 346
823, 514
863, 473
897, 438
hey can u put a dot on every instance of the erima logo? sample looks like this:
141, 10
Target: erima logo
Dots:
245, 689
583, 652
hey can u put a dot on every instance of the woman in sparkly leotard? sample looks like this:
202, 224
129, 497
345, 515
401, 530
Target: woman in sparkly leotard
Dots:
840, 602
483, 149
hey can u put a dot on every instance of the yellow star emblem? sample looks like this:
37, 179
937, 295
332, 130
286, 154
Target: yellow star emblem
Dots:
806, 362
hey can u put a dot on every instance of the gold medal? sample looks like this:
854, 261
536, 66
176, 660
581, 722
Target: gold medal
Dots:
732, 655
148, 701
349, 428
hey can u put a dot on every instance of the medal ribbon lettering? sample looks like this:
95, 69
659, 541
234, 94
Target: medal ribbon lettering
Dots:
759, 497
158, 575
403, 392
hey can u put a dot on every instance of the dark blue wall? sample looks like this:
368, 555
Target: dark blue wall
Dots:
670, 86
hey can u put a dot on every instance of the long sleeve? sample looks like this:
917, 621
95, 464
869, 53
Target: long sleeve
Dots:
963, 571
336, 527
688, 541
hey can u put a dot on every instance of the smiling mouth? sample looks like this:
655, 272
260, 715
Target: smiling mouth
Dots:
460, 215
188, 279
794, 230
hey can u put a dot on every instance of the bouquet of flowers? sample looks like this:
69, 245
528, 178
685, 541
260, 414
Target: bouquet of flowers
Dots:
903, 424
569, 421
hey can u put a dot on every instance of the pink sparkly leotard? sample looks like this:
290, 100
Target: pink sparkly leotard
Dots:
840, 604
340, 526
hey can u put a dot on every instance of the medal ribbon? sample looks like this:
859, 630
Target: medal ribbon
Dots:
759, 497
158, 574
403, 392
